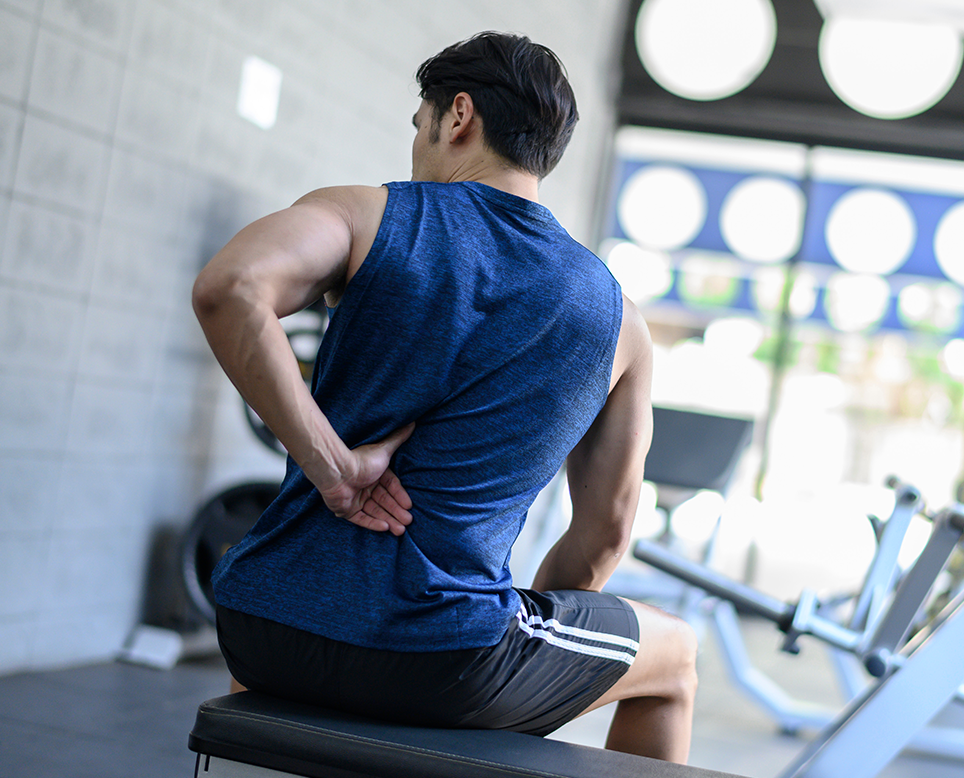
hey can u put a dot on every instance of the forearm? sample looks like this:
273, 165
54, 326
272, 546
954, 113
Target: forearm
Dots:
249, 342
580, 562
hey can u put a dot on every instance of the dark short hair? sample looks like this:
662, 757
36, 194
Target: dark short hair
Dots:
519, 89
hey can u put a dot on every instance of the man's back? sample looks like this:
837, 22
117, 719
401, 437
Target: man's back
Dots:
477, 317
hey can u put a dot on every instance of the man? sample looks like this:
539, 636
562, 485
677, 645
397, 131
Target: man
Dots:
474, 348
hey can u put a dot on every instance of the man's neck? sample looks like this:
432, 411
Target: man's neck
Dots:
499, 176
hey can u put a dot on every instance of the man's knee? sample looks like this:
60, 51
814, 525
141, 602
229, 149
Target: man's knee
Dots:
688, 651
671, 646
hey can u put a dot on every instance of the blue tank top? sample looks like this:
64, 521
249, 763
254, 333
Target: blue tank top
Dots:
478, 317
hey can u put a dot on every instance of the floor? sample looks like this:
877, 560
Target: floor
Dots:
121, 719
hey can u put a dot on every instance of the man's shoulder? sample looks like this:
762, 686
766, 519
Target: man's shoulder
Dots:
634, 348
352, 197
359, 208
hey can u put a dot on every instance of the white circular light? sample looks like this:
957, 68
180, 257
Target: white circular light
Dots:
953, 357
707, 279
930, 306
737, 336
768, 285
705, 49
762, 219
886, 68
871, 231
662, 207
642, 274
949, 243
856, 302
914, 302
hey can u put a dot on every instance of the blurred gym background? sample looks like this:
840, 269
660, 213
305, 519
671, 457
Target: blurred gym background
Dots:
778, 184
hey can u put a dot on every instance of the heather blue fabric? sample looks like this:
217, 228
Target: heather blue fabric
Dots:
478, 317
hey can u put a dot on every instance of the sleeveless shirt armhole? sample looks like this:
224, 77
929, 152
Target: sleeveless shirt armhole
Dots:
607, 349
355, 289
376, 252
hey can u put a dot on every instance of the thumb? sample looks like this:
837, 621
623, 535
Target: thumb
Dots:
399, 436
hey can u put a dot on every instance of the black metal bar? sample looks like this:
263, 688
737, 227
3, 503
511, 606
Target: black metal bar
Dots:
746, 598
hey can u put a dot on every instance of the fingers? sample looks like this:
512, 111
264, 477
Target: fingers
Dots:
375, 518
367, 522
374, 508
382, 506
391, 489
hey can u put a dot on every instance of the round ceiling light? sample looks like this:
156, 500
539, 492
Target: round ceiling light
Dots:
949, 243
886, 68
870, 231
934, 307
856, 302
708, 280
762, 219
768, 287
642, 274
662, 207
952, 355
705, 49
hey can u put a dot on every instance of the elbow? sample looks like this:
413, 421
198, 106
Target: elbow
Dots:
612, 538
205, 296
619, 538
217, 290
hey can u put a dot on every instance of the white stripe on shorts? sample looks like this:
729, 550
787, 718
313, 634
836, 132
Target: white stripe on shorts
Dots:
535, 627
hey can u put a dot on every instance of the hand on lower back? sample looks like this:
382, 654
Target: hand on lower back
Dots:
372, 496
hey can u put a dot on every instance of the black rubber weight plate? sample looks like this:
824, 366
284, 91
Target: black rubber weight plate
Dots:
218, 525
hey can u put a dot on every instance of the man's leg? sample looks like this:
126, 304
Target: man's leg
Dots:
654, 712
236, 687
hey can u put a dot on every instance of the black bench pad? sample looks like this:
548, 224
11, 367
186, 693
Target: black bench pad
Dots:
318, 743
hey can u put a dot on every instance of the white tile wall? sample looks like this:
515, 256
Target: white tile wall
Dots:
11, 122
122, 346
28, 7
34, 413
62, 166
157, 114
135, 269
17, 37
27, 501
24, 560
108, 420
99, 495
72, 82
39, 333
170, 41
144, 194
104, 23
16, 641
123, 168
48, 247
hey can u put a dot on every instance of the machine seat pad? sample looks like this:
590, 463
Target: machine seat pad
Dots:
318, 743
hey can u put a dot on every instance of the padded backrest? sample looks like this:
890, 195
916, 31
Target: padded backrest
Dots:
695, 450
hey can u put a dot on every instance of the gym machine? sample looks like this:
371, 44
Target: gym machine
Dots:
915, 669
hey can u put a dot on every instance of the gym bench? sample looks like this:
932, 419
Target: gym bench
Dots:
250, 735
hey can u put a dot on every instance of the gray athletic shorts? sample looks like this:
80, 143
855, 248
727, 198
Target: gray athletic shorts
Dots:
561, 652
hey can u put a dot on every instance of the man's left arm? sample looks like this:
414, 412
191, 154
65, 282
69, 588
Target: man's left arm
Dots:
272, 268
605, 470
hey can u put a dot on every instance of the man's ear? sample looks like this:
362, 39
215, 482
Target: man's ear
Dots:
463, 121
